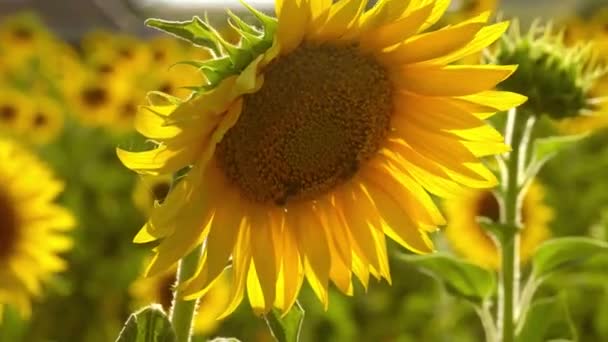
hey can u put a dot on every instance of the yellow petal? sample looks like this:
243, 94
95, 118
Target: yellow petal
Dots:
431, 45
312, 242
408, 193
241, 261
293, 24
440, 7
394, 32
163, 159
263, 255
222, 238
423, 170
452, 80
354, 204
499, 100
433, 113
485, 37
383, 13
342, 16
292, 273
396, 222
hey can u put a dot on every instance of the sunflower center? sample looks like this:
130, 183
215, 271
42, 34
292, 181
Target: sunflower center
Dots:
129, 110
8, 113
22, 34
94, 97
321, 112
489, 207
40, 120
8, 226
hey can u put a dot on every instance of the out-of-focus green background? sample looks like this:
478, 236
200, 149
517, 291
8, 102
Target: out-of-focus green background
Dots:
90, 301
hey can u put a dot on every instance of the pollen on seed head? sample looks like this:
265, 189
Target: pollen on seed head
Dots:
322, 111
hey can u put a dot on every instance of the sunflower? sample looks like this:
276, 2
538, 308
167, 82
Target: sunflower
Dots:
473, 242
159, 288
315, 138
23, 36
94, 101
14, 111
149, 190
32, 226
121, 116
45, 121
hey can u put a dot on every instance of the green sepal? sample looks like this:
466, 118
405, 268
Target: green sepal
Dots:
229, 59
149, 324
547, 319
557, 254
286, 328
195, 31
462, 279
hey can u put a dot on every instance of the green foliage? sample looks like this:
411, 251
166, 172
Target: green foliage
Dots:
286, 328
557, 254
12, 327
547, 319
230, 59
462, 279
547, 148
150, 324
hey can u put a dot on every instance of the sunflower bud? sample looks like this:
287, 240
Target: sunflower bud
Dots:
557, 79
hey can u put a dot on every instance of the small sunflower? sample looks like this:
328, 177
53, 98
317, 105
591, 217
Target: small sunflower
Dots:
315, 137
14, 111
23, 36
121, 117
45, 121
94, 101
150, 190
472, 241
159, 289
32, 229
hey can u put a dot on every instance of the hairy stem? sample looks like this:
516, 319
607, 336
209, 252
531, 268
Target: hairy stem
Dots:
183, 311
517, 135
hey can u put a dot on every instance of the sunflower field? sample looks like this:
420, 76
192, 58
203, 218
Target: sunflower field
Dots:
304, 170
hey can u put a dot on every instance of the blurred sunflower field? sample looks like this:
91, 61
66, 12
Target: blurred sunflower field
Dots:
83, 106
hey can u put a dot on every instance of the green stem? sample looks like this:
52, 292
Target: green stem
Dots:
183, 311
517, 136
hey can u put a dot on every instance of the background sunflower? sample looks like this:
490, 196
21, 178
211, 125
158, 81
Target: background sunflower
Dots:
33, 227
472, 241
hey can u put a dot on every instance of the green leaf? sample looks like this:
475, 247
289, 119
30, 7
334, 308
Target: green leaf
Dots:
462, 279
559, 253
547, 148
149, 324
547, 319
286, 328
